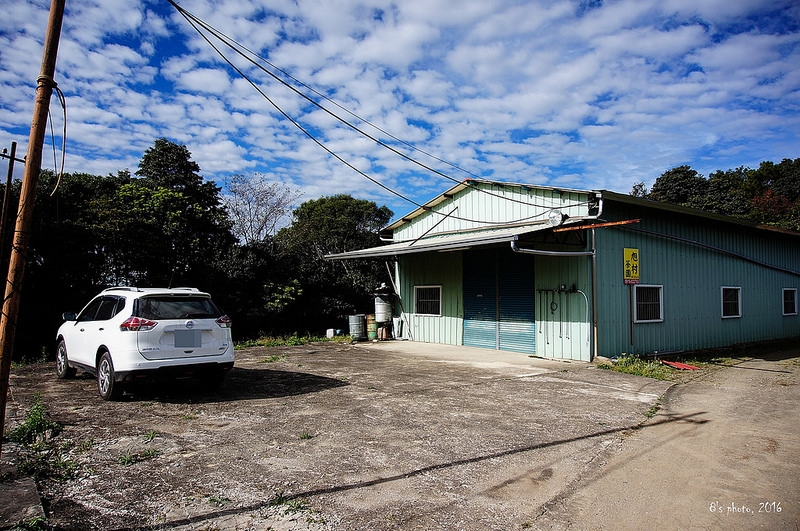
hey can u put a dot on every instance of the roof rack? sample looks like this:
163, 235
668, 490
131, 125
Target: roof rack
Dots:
122, 288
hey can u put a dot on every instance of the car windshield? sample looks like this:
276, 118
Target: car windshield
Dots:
156, 308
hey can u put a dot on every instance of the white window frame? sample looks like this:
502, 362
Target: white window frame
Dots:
416, 299
783, 300
636, 288
738, 302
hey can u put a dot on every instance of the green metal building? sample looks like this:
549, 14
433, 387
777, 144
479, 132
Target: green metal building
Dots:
577, 274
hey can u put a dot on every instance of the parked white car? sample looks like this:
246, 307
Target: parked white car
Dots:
127, 334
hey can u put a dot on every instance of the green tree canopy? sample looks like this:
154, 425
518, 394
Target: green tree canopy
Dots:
769, 194
680, 186
332, 289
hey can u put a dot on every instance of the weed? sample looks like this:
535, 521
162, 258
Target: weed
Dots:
219, 501
150, 436
39, 457
290, 506
85, 446
130, 458
43, 460
295, 506
290, 341
37, 424
305, 436
274, 358
37, 523
189, 416
653, 409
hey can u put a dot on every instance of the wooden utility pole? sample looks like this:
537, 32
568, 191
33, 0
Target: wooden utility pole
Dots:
30, 178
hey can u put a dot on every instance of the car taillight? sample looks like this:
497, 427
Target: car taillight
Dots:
136, 324
224, 321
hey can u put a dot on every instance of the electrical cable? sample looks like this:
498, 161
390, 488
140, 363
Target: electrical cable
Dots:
295, 123
63, 102
235, 46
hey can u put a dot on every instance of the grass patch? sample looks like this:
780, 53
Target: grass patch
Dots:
290, 341
640, 367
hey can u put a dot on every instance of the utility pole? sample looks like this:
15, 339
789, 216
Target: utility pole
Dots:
5, 221
33, 165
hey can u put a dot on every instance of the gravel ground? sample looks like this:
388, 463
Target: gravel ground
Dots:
344, 437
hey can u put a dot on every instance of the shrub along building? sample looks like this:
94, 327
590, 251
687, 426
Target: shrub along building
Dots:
575, 274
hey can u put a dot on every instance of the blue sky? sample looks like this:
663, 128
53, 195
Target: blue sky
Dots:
590, 94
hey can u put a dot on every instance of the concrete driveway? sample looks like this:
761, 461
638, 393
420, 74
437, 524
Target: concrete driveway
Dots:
393, 435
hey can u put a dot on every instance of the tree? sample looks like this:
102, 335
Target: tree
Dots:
639, 190
331, 289
726, 193
257, 207
179, 218
680, 186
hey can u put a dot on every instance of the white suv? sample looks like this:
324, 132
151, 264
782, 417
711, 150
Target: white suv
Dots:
127, 334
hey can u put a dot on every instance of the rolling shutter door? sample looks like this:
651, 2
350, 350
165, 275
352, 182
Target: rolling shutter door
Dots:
517, 325
480, 300
499, 299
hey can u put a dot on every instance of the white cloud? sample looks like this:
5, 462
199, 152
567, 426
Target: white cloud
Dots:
538, 91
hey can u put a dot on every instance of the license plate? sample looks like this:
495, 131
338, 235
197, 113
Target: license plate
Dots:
188, 338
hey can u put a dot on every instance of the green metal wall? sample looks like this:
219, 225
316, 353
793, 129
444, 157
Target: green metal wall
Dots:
692, 277
545, 322
433, 269
563, 307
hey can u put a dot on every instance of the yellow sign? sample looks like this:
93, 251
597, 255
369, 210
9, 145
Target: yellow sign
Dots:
631, 272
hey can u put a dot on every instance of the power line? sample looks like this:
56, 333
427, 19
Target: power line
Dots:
194, 21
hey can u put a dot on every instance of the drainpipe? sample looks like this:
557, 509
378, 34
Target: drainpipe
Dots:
594, 295
548, 253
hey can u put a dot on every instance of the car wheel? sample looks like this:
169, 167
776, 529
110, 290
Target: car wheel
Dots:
63, 370
106, 386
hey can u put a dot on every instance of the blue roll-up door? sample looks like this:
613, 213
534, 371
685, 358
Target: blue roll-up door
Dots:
499, 301
480, 299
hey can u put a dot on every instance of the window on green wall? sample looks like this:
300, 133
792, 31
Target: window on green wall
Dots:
789, 301
731, 302
648, 304
428, 300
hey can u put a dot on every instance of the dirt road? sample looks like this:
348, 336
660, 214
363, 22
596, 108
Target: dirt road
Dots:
358, 437
730, 461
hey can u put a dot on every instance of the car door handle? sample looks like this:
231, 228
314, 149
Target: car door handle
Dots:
100, 329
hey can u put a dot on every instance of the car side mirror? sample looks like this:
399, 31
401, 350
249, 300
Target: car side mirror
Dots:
69, 316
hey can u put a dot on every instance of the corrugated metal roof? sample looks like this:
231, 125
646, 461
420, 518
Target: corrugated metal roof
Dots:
448, 242
604, 194
467, 183
678, 209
